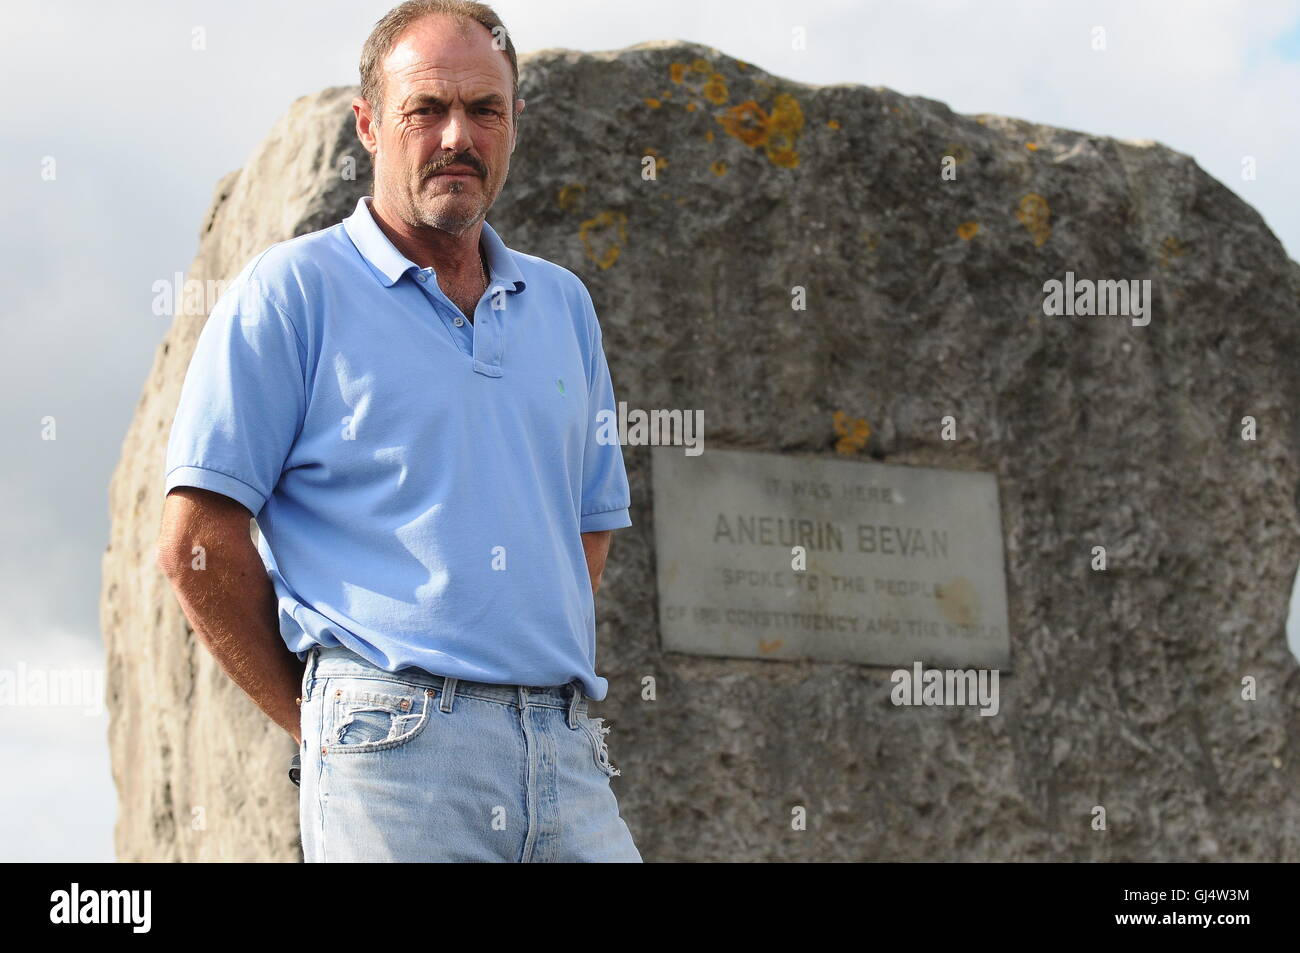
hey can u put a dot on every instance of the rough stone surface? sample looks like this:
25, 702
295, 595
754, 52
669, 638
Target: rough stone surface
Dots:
924, 300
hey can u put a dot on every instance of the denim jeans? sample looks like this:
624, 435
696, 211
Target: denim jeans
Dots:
409, 766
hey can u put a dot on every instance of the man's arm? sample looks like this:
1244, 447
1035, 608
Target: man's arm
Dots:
596, 546
231, 603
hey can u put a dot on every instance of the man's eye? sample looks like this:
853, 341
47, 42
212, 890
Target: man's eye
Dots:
426, 110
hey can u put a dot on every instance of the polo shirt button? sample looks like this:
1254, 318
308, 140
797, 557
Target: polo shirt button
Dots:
422, 276
458, 321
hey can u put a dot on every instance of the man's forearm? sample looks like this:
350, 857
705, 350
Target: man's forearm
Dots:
596, 547
231, 605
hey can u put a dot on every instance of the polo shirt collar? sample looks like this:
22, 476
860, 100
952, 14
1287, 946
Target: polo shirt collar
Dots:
391, 264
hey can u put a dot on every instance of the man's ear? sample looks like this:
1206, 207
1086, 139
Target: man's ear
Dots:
365, 125
514, 132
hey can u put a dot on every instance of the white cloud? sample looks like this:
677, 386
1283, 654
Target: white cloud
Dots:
59, 803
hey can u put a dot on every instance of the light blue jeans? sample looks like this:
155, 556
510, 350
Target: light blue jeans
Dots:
408, 766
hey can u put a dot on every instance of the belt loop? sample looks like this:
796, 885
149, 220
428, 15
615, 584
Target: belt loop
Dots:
448, 693
523, 696
575, 696
309, 673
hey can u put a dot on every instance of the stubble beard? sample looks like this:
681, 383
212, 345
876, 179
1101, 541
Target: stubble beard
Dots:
456, 207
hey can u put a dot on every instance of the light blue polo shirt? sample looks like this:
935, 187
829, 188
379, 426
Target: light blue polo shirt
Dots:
421, 482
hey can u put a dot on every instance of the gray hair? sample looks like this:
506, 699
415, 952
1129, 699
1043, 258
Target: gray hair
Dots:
394, 23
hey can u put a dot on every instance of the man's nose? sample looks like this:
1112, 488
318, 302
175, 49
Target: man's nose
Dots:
456, 136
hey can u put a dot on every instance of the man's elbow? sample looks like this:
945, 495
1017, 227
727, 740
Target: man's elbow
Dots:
170, 557
191, 515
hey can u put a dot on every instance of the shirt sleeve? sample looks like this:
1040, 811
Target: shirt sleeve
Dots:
243, 400
606, 498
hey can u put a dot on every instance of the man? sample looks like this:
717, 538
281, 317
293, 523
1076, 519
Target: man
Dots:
409, 409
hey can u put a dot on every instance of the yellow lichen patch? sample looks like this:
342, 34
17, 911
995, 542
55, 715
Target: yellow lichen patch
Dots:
708, 135
690, 107
1170, 249
666, 94
603, 237
958, 601
700, 66
768, 646
676, 71
869, 239
715, 90
746, 122
958, 152
1035, 214
776, 133
653, 103
1031, 146
741, 64
660, 161
718, 168
967, 230
853, 432
787, 121
833, 123
569, 195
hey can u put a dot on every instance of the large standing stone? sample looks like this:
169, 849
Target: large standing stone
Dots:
924, 300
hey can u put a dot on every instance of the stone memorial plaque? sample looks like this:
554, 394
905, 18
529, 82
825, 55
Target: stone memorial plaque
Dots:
904, 564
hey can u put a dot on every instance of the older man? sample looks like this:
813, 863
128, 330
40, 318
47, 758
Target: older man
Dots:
409, 409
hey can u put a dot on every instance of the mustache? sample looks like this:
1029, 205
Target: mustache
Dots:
437, 165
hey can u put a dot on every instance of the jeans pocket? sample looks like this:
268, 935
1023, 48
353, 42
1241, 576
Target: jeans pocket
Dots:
372, 714
596, 731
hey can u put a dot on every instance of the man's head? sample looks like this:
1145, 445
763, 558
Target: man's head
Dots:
439, 91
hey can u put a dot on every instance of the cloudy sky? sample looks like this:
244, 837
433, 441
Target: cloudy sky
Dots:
140, 127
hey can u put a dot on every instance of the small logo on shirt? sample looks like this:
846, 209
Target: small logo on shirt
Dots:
559, 382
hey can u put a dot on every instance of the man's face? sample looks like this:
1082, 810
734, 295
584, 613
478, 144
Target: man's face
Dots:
446, 107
